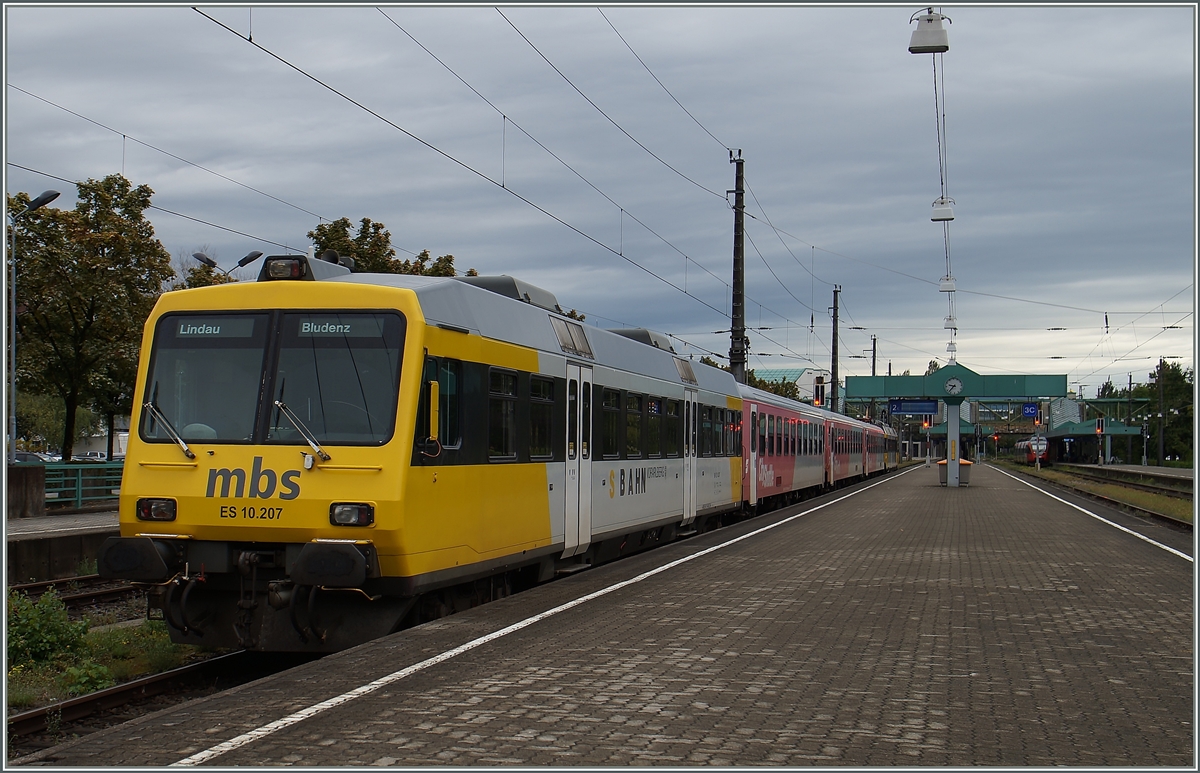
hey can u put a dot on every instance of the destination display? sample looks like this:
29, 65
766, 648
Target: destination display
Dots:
214, 327
912, 407
340, 326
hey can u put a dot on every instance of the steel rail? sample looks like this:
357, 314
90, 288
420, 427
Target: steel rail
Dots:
37, 720
80, 594
1133, 509
1119, 479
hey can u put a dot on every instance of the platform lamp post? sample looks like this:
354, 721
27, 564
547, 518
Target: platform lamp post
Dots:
38, 203
253, 256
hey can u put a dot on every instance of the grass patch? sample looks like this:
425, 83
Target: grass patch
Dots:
105, 658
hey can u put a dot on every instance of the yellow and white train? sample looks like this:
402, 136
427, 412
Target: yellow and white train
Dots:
322, 457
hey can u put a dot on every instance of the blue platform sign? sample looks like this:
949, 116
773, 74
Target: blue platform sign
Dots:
1029, 410
912, 407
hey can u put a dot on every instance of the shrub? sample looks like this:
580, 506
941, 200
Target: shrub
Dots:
86, 677
40, 630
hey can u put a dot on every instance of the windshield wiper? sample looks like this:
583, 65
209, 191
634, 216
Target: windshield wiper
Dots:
303, 430
162, 419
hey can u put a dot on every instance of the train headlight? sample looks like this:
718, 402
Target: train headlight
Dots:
156, 509
351, 514
286, 268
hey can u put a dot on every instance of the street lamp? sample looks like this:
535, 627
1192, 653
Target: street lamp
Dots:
253, 256
38, 203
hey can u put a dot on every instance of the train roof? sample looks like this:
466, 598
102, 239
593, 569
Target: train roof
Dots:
512, 311
804, 409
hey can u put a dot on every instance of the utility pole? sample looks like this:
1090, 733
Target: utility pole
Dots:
1129, 421
833, 403
1161, 369
737, 335
874, 351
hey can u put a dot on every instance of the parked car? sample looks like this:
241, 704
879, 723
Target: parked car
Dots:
29, 457
88, 456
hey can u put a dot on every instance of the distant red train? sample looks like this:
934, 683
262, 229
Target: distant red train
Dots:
1032, 451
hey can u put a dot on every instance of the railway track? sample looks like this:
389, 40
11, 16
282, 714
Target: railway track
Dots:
1119, 504
32, 731
38, 720
81, 591
1160, 486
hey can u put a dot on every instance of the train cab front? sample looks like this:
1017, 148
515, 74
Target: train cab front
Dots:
260, 485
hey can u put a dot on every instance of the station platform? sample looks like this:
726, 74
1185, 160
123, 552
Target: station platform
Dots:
53, 547
893, 623
16, 529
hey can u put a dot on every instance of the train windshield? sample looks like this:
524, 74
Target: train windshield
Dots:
205, 376
216, 377
338, 373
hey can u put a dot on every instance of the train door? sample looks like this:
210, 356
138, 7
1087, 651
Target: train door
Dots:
753, 470
690, 436
579, 460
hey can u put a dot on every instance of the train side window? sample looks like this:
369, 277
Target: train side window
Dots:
587, 420
737, 433
572, 417
706, 448
430, 373
450, 403
571, 338
673, 429
541, 418
633, 426
693, 446
654, 421
762, 434
502, 415
610, 424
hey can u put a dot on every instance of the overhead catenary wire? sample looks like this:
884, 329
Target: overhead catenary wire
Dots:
617, 251
588, 99
465, 166
507, 119
660, 83
201, 167
168, 211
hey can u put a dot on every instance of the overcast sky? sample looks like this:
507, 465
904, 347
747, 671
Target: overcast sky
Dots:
1070, 145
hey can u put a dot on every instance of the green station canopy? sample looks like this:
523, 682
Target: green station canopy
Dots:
957, 381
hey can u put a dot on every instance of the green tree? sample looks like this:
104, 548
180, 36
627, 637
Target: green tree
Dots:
371, 247
782, 387
111, 390
40, 419
372, 250
86, 281
1178, 409
191, 273
934, 367
420, 265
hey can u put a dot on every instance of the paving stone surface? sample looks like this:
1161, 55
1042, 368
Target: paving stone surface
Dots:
909, 624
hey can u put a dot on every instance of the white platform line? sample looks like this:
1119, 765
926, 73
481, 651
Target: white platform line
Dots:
1100, 518
358, 692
